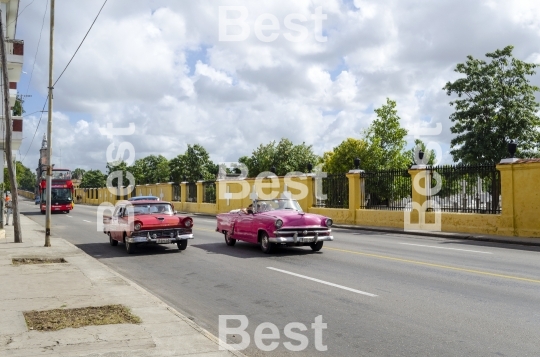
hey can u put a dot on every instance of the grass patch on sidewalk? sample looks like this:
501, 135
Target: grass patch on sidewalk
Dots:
21, 261
53, 320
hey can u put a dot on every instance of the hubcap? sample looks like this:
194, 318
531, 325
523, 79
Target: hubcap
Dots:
265, 242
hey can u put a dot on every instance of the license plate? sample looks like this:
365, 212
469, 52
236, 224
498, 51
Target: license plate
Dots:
163, 241
56, 208
307, 240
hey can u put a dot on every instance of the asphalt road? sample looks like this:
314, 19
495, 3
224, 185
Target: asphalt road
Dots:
379, 294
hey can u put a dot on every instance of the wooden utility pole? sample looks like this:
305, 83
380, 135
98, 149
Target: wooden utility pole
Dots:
49, 136
9, 130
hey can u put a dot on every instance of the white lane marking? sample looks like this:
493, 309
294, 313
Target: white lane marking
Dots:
431, 246
69, 216
323, 282
84, 220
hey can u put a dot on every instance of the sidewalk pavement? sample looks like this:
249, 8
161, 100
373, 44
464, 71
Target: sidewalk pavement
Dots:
447, 235
84, 281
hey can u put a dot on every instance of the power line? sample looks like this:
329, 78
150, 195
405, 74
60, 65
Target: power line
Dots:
39, 41
37, 127
84, 38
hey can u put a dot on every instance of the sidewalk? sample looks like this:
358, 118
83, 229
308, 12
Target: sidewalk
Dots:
81, 282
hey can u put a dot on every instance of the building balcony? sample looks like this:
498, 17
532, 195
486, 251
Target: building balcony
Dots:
15, 54
17, 133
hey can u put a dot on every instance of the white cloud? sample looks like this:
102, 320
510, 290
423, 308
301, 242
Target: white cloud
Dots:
160, 65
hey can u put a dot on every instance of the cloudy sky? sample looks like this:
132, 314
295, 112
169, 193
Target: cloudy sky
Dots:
170, 67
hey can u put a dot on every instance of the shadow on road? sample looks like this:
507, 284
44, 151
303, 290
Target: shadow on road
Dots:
249, 250
105, 250
37, 213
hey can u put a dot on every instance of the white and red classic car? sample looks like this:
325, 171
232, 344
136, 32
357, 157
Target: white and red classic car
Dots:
275, 222
147, 222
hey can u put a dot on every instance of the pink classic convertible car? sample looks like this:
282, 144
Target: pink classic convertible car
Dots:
273, 222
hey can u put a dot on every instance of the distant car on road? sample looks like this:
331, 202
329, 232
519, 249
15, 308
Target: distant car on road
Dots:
275, 222
37, 200
145, 198
147, 222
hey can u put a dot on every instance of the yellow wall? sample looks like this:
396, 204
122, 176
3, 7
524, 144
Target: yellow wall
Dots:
519, 190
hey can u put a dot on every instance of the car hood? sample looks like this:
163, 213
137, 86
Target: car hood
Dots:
150, 221
296, 219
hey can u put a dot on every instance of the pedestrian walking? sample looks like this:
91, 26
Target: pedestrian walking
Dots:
9, 208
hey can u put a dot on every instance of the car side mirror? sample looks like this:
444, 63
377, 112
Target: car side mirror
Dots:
250, 211
175, 212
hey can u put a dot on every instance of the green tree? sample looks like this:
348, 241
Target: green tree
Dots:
284, 156
495, 103
386, 138
26, 178
118, 166
93, 179
77, 174
427, 153
193, 165
341, 159
18, 109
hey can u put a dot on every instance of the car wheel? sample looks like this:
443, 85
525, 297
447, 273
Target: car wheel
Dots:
228, 240
182, 245
130, 247
112, 241
316, 246
42, 212
266, 246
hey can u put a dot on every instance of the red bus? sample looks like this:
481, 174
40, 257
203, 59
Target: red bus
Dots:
61, 191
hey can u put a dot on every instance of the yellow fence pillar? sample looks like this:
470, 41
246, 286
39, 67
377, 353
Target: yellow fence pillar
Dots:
420, 191
200, 189
354, 190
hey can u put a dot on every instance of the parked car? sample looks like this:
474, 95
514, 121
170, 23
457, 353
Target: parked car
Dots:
144, 198
147, 222
37, 200
275, 222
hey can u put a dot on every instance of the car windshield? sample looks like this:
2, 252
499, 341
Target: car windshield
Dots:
140, 198
278, 204
157, 208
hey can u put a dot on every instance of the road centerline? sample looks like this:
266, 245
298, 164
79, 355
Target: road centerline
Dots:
322, 282
447, 267
432, 246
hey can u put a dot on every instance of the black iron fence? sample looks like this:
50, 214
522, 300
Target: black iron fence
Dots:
191, 192
386, 190
209, 192
336, 189
176, 192
466, 188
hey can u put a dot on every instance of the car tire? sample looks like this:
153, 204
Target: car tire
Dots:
112, 241
316, 246
228, 240
182, 245
130, 247
42, 212
266, 246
